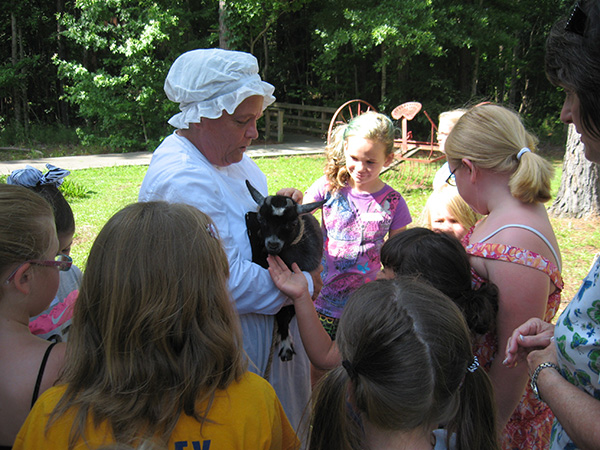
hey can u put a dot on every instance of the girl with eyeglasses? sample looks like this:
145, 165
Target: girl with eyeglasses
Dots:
500, 175
53, 323
29, 278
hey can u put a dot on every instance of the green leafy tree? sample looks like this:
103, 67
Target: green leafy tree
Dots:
250, 25
494, 51
126, 50
112, 56
363, 46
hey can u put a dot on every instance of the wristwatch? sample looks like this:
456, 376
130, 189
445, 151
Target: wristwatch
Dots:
536, 373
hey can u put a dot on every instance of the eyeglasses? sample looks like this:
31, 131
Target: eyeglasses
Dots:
63, 262
451, 180
576, 22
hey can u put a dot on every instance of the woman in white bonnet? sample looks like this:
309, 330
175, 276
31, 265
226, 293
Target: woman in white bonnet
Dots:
203, 164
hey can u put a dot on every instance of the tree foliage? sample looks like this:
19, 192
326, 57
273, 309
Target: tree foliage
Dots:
100, 65
117, 81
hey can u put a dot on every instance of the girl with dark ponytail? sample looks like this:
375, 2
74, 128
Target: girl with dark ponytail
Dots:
404, 373
441, 260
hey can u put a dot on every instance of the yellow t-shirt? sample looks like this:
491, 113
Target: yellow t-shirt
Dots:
247, 415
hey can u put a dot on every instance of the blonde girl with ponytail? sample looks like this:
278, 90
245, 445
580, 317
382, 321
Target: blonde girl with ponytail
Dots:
499, 173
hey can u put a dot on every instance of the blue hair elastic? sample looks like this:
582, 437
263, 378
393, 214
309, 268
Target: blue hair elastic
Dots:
521, 152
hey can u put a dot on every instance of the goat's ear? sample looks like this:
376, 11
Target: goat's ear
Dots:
257, 196
309, 207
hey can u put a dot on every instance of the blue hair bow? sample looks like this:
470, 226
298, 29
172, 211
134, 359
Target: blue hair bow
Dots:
31, 177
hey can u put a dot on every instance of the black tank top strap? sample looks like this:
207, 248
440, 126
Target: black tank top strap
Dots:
38, 382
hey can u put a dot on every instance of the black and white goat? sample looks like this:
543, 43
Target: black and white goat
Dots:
282, 227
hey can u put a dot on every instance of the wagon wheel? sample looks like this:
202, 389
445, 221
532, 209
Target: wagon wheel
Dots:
347, 112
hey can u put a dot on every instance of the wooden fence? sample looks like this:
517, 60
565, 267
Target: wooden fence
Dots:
285, 117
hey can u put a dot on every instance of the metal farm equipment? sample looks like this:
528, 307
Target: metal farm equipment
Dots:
415, 161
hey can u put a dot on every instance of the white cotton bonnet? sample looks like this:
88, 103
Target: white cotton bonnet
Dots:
207, 81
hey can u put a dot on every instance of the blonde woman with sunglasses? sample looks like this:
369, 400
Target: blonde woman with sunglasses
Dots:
501, 176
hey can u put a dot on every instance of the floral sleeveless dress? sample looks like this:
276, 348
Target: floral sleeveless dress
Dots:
530, 425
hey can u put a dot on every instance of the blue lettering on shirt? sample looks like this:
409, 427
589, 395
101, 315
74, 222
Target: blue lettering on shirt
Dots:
197, 445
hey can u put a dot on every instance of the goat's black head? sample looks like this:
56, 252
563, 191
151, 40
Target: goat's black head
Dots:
279, 219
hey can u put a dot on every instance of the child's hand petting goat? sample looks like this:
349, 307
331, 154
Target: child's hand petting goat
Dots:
291, 282
321, 350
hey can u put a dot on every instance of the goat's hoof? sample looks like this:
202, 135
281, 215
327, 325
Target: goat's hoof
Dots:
287, 352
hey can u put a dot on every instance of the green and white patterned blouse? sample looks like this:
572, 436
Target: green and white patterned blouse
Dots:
577, 336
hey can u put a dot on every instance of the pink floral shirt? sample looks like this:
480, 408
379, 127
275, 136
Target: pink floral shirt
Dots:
354, 226
531, 422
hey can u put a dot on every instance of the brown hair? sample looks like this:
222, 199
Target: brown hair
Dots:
491, 136
154, 331
405, 349
370, 125
573, 61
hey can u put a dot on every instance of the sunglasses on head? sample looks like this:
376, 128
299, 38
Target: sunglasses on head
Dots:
576, 22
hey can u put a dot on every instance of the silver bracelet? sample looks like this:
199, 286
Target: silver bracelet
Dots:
536, 373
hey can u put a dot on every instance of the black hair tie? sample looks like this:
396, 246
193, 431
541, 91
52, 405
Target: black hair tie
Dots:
350, 369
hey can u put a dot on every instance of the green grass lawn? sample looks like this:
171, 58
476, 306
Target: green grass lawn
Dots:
99, 193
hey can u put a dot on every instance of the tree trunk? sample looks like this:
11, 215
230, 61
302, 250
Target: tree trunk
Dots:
383, 74
524, 105
265, 68
14, 53
356, 94
24, 99
514, 75
223, 31
63, 111
475, 78
579, 192
467, 74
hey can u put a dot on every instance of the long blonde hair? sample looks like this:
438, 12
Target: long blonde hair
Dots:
370, 125
491, 136
154, 331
